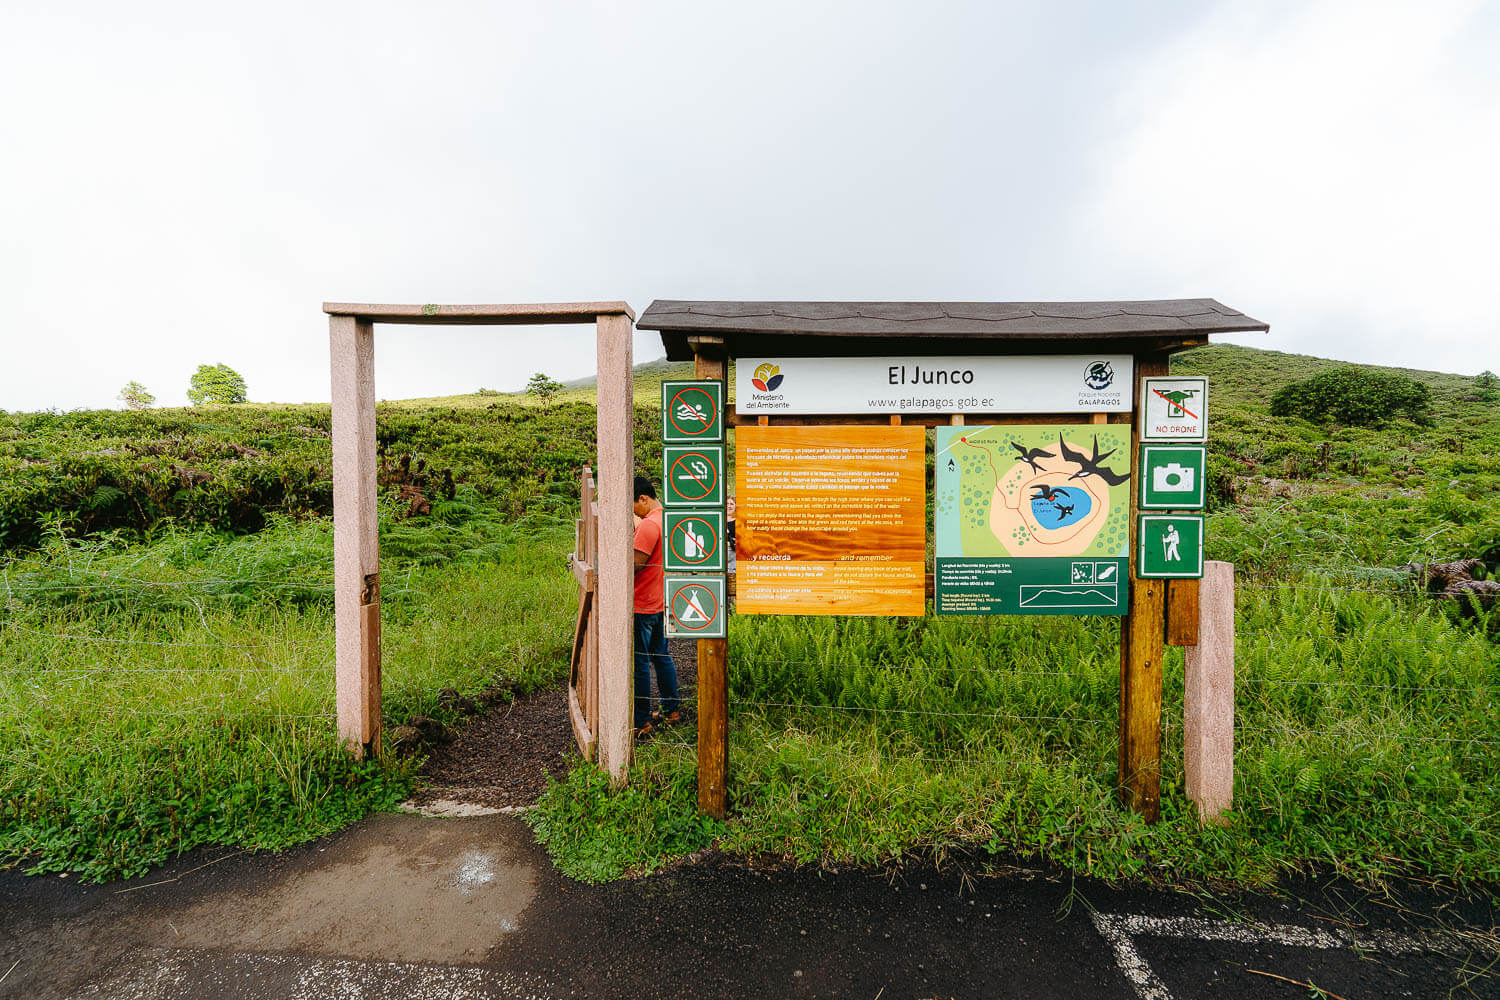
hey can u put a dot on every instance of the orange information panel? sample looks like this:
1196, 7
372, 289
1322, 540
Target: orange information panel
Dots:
830, 520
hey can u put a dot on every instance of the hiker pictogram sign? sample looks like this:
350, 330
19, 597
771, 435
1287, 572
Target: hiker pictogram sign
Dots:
1169, 546
695, 541
1174, 409
695, 606
692, 411
693, 475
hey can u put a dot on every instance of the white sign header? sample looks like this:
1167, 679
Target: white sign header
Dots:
1053, 383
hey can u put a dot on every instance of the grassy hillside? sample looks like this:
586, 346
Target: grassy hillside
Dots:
165, 647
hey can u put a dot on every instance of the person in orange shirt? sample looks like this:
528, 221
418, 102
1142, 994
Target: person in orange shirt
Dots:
650, 620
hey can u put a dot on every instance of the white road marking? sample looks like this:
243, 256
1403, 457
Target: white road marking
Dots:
1120, 929
163, 973
459, 808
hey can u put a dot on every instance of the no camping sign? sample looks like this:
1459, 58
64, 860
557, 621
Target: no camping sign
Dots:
695, 607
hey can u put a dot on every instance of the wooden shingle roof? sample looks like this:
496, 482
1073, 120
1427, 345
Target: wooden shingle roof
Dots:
814, 328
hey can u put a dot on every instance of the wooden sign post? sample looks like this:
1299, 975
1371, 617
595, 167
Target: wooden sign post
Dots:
931, 364
713, 666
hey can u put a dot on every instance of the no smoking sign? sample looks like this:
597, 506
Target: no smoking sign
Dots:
693, 475
695, 606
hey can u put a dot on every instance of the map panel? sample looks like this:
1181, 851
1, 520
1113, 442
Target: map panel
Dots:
1032, 519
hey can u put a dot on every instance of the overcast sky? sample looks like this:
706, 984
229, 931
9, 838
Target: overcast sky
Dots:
187, 183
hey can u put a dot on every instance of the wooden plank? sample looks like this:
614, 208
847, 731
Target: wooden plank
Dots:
584, 574
581, 731
732, 418
713, 727
1141, 634
509, 314
1099, 418
581, 627
615, 582
1182, 612
713, 673
356, 546
895, 420
1208, 699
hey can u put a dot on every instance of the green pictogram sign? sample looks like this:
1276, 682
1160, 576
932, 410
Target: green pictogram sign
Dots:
693, 475
695, 541
1174, 409
692, 411
1169, 546
695, 606
1172, 476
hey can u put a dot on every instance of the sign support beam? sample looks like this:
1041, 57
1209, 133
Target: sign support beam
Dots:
713, 675
1142, 631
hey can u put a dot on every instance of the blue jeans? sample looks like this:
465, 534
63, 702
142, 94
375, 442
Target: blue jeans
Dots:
651, 648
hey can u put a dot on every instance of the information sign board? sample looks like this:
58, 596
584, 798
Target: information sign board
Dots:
1059, 383
830, 520
1170, 546
1174, 409
1172, 476
692, 411
694, 541
695, 607
693, 475
1032, 520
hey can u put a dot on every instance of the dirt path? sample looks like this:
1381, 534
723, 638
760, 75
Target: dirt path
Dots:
503, 758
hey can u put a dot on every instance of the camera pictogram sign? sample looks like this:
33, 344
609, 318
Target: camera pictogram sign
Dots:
692, 411
693, 475
1172, 476
695, 606
695, 541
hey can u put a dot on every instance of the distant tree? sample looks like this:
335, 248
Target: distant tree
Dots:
135, 396
543, 388
216, 384
1362, 397
1487, 380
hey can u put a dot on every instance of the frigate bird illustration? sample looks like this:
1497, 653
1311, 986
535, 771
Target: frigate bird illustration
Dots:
1063, 510
1030, 455
1045, 492
1088, 466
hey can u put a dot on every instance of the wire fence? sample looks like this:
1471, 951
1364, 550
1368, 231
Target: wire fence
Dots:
969, 688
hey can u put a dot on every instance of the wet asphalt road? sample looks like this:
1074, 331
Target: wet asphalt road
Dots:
413, 907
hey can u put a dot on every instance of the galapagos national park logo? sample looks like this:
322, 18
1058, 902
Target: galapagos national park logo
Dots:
1099, 375
767, 377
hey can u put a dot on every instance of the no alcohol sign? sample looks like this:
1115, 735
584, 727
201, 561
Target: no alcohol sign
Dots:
695, 541
692, 411
695, 606
693, 475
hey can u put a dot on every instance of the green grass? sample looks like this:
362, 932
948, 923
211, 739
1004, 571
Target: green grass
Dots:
157, 698
1369, 744
1367, 713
